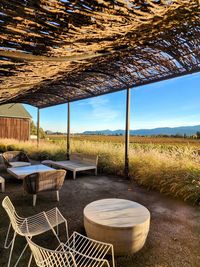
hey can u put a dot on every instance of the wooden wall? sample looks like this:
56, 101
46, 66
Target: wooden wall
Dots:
15, 128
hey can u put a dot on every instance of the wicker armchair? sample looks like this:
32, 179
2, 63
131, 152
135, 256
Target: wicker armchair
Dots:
44, 181
15, 159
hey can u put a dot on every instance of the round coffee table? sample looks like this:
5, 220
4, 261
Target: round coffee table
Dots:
123, 223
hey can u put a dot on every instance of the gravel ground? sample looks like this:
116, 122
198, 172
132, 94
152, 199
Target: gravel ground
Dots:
173, 240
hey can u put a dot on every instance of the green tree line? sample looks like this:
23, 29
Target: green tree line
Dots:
34, 131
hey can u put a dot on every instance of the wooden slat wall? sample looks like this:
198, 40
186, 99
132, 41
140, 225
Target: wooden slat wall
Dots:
15, 128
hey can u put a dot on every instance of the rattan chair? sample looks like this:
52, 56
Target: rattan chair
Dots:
31, 226
44, 181
15, 159
79, 251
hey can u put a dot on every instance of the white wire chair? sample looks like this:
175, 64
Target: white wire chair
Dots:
89, 252
79, 251
50, 258
31, 226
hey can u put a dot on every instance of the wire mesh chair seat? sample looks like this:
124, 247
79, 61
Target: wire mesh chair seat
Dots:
31, 226
64, 255
87, 251
42, 222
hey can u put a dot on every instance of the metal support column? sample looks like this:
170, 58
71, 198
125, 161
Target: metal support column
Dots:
127, 133
68, 131
38, 127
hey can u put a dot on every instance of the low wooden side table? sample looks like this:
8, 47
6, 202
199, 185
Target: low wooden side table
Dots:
2, 182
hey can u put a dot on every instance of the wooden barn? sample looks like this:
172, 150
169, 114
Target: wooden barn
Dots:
14, 122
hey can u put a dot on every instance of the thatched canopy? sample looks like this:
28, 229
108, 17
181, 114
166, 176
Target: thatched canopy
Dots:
55, 51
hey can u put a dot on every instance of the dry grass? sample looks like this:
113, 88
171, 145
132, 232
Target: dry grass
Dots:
173, 170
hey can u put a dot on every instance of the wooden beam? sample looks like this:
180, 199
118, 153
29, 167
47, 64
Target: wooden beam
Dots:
30, 57
68, 131
127, 134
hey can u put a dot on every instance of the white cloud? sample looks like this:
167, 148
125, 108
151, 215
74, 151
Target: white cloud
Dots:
102, 110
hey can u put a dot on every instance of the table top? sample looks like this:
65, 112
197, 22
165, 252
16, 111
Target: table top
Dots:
21, 172
119, 213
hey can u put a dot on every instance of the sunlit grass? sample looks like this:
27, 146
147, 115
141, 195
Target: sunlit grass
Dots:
173, 170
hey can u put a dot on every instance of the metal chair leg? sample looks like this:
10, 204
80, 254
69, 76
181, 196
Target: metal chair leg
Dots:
21, 254
6, 246
57, 196
11, 250
30, 260
113, 258
34, 200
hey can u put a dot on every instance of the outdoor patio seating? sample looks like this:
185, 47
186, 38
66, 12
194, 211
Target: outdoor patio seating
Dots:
78, 162
15, 159
44, 181
79, 251
31, 226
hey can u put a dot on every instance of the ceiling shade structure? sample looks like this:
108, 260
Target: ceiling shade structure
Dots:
58, 51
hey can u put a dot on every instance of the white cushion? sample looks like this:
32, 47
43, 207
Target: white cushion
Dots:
19, 164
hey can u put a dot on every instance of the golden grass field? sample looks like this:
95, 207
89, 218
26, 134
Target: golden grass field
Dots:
169, 166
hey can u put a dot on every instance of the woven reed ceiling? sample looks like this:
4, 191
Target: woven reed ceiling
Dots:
54, 51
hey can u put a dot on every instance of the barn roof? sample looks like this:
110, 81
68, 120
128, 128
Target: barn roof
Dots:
56, 51
14, 111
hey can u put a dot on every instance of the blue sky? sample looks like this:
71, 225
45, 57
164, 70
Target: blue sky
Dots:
170, 103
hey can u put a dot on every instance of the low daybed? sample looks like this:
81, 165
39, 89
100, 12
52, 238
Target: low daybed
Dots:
78, 162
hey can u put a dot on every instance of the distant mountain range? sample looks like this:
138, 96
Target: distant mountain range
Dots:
188, 130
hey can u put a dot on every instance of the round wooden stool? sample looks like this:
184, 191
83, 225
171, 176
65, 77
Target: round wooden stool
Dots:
123, 223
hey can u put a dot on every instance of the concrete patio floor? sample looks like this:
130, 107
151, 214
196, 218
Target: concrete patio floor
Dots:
174, 237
